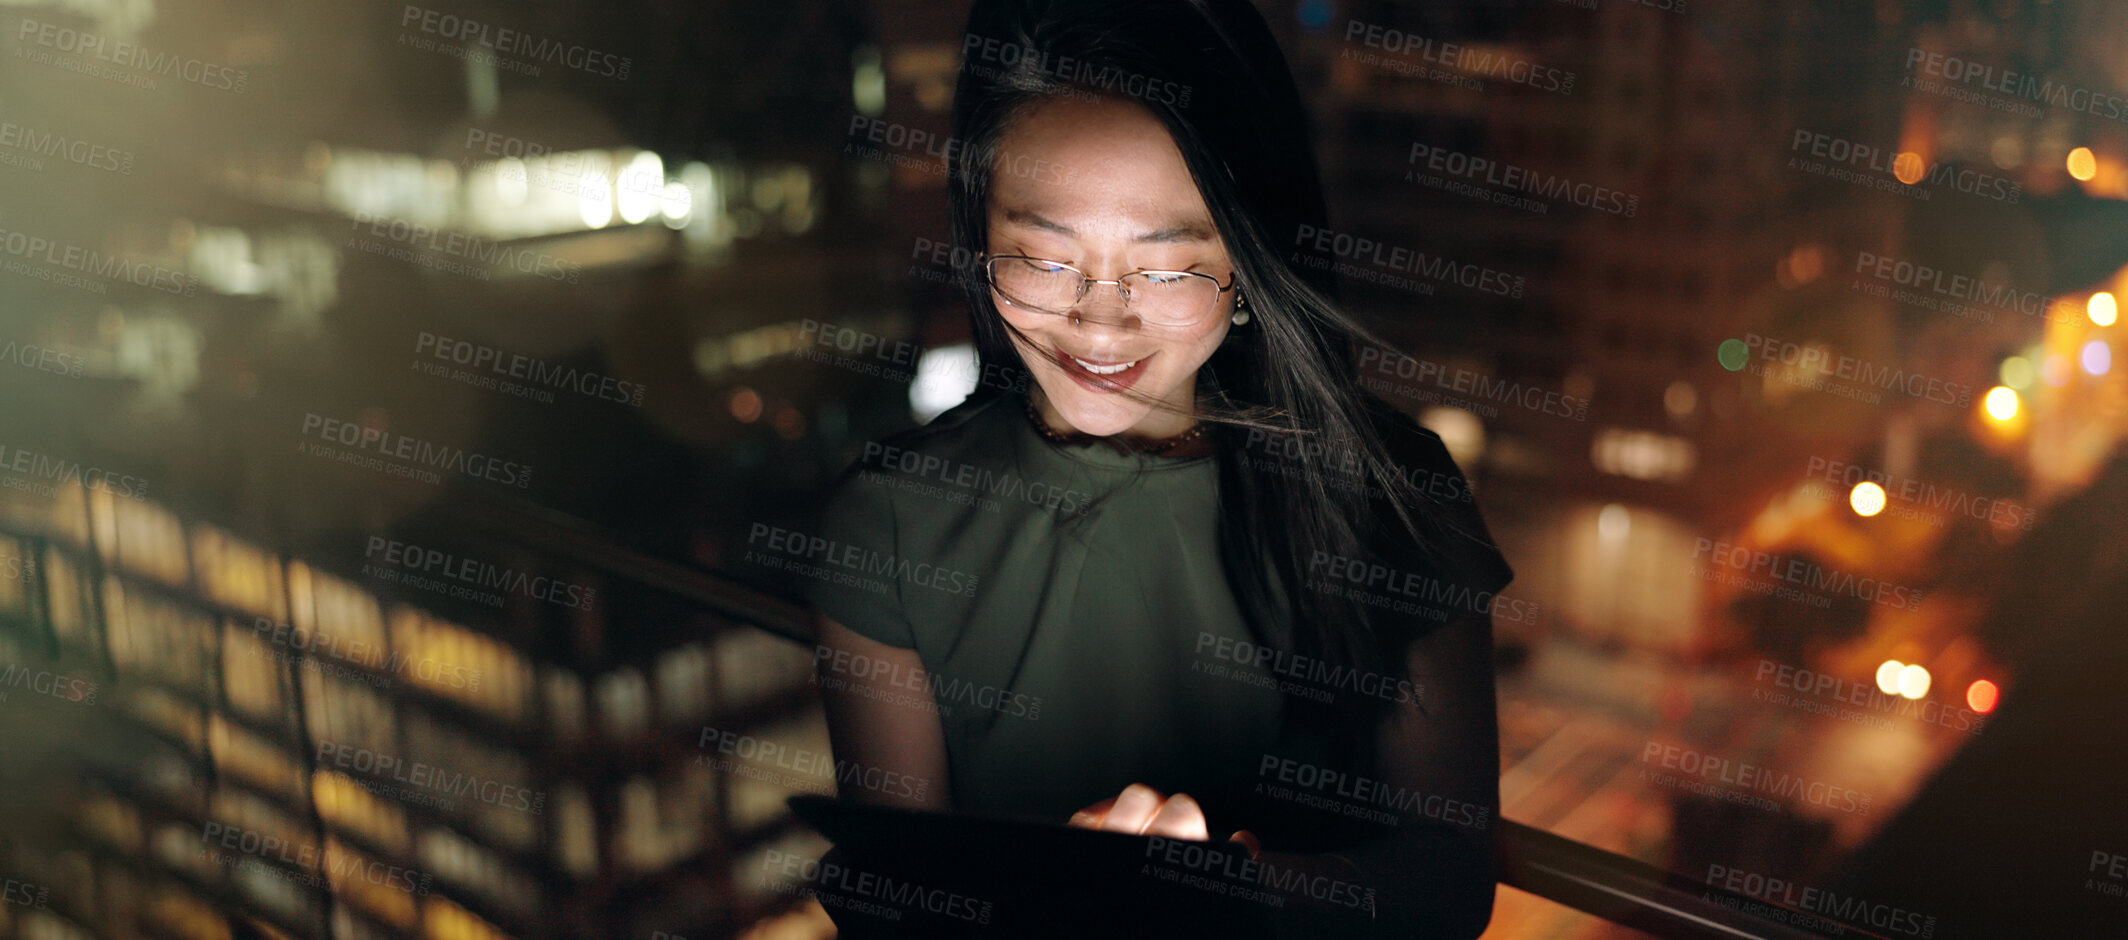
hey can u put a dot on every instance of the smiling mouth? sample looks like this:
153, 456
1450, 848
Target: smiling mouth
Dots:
1097, 376
1104, 368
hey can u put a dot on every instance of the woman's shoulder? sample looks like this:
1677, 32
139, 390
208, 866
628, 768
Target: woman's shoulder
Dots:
895, 504
1441, 496
973, 430
1418, 456
967, 441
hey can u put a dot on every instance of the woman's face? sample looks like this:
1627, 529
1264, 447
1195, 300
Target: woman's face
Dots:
1111, 196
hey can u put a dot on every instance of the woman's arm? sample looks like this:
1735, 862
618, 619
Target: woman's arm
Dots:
882, 729
1435, 871
1434, 874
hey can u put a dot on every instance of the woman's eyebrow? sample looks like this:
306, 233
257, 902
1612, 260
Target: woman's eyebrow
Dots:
1191, 231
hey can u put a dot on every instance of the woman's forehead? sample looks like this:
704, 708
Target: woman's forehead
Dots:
1108, 168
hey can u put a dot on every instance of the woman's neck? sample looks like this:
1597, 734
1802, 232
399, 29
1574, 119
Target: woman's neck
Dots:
1157, 434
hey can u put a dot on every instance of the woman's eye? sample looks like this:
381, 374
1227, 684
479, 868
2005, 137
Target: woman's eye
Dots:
1162, 278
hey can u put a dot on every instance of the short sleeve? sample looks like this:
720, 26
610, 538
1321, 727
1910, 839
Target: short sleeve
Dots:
1458, 549
859, 517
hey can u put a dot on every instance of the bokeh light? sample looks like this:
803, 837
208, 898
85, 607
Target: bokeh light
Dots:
2082, 164
2096, 357
1913, 682
1982, 695
1888, 676
1866, 498
1680, 399
2001, 403
1909, 168
1613, 524
1732, 354
2056, 371
2017, 373
640, 187
746, 404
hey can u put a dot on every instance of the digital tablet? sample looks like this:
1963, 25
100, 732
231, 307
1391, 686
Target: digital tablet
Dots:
1031, 877
961, 839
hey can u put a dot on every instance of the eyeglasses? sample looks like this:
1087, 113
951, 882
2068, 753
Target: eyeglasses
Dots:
1162, 298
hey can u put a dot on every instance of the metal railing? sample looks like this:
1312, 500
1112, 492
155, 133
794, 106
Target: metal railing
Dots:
1606, 885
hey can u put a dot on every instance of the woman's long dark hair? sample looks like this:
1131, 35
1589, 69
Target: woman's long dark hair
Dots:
1211, 71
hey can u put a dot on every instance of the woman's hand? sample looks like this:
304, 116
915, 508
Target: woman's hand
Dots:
1141, 810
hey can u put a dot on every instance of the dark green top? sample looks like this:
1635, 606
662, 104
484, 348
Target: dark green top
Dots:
1070, 606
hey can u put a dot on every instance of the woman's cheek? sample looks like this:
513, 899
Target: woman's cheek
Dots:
1201, 351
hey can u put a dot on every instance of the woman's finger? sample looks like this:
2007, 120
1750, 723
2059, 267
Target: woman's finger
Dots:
1093, 816
1247, 840
1178, 818
1134, 808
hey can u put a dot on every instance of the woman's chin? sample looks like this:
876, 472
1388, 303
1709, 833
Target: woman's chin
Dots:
1100, 425
1100, 422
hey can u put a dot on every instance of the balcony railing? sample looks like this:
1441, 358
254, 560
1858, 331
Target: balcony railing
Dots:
1618, 889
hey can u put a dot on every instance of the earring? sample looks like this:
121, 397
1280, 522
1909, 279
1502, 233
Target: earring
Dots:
1241, 315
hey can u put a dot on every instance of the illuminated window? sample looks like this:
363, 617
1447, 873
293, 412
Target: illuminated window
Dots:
683, 682
179, 846
277, 889
344, 803
18, 564
455, 858
234, 572
510, 815
155, 636
762, 885
251, 674
624, 702
145, 538
1643, 455
269, 931
111, 818
758, 800
238, 809
252, 758
754, 665
61, 514
661, 819
564, 693
325, 604
475, 780
345, 713
64, 592
381, 889
448, 921
353, 925
575, 832
445, 659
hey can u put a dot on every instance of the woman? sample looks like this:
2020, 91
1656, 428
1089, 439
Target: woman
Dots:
1193, 579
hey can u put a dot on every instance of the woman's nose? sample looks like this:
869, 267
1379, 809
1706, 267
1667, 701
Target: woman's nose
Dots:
1104, 304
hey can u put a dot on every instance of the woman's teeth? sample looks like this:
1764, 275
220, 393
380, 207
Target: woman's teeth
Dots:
1101, 369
